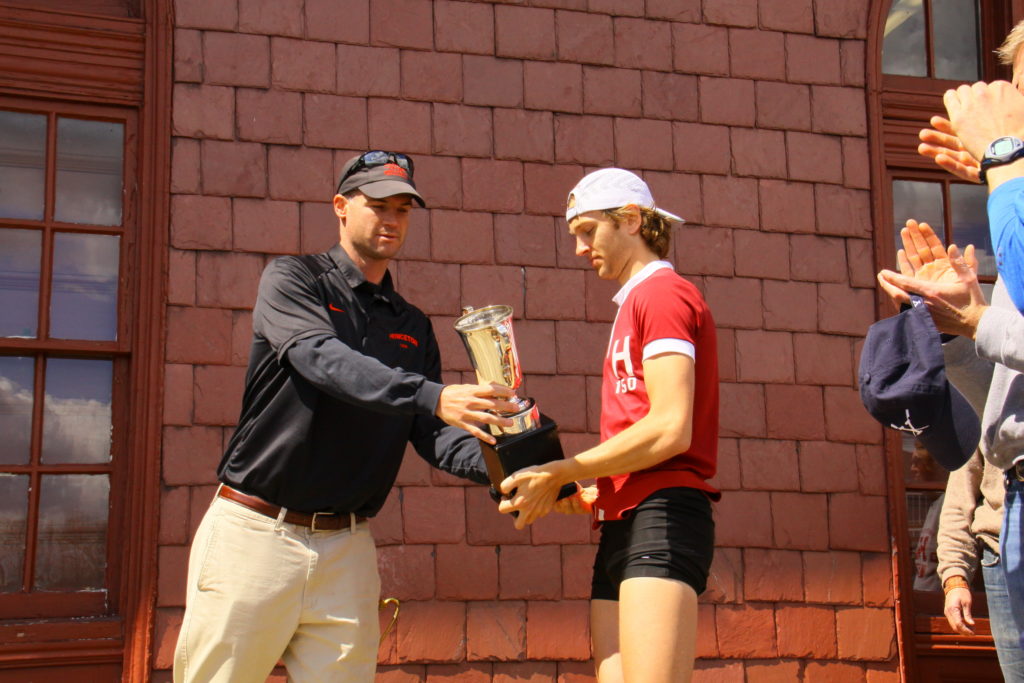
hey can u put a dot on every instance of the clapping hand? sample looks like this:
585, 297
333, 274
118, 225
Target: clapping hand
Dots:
941, 144
946, 279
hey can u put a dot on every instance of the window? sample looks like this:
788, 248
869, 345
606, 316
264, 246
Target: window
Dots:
82, 128
64, 355
933, 39
923, 48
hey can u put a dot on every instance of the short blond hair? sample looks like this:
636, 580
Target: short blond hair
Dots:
1007, 52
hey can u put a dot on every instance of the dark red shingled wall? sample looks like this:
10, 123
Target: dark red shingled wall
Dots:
747, 117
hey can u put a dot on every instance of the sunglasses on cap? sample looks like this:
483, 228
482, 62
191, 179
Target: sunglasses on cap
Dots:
377, 158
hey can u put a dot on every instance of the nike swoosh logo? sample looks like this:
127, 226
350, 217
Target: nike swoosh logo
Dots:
334, 308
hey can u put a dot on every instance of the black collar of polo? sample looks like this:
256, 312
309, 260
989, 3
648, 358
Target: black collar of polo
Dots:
356, 280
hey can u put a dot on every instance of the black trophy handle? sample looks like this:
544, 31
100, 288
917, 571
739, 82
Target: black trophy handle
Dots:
569, 489
495, 494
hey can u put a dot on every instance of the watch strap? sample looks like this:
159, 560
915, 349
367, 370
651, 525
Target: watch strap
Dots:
988, 162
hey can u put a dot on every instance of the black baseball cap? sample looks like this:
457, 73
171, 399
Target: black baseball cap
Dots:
903, 385
379, 174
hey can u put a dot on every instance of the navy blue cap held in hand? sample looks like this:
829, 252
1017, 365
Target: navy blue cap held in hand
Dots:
903, 385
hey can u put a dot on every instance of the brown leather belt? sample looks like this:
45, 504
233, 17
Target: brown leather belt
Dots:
318, 521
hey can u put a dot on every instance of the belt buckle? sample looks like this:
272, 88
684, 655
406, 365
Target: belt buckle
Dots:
317, 515
1018, 471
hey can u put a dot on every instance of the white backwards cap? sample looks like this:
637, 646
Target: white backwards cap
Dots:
611, 188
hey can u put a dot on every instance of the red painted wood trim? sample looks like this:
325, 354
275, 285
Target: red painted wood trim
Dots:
41, 631
111, 8
71, 56
139, 603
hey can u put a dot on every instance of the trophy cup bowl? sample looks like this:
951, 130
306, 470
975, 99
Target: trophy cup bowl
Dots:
533, 437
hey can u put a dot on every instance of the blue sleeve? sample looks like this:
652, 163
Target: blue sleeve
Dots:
1006, 223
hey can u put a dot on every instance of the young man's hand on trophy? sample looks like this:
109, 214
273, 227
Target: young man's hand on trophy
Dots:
533, 492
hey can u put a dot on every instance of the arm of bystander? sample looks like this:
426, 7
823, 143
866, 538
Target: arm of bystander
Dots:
957, 547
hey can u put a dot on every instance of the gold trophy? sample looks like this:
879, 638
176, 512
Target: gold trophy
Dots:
533, 438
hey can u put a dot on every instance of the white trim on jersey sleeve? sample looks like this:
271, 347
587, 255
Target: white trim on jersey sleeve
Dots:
659, 346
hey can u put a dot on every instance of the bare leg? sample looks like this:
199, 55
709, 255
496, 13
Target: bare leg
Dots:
604, 634
657, 630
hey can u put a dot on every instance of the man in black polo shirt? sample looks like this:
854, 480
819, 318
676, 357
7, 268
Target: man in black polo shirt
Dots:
343, 373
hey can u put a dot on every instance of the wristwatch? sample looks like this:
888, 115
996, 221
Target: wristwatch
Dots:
1002, 151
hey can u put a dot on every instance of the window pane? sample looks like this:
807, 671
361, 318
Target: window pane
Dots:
83, 304
919, 200
16, 390
955, 39
19, 282
13, 525
923, 509
72, 549
919, 468
903, 45
76, 413
969, 206
22, 165
89, 171
922, 473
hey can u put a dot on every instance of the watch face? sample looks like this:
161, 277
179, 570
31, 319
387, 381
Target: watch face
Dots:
1002, 146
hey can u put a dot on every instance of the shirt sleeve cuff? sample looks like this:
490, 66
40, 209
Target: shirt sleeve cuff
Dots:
660, 346
953, 571
428, 396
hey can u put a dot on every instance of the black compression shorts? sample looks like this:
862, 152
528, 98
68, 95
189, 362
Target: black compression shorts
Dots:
671, 534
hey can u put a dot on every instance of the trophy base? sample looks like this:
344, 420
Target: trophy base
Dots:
516, 451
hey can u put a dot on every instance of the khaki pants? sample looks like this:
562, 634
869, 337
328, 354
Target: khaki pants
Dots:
260, 589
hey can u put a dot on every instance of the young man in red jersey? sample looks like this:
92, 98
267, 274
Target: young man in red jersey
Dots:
659, 434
